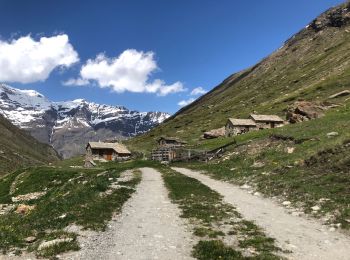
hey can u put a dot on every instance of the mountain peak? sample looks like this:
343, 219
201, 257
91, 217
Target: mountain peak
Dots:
68, 125
79, 100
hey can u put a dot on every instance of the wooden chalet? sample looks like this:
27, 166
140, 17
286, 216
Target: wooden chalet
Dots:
107, 151
235, 126
267, 121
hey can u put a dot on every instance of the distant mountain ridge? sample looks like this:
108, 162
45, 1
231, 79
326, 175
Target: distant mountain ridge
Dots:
68, 125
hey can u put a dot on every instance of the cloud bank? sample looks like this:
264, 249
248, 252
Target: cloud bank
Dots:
26, 60
130, 71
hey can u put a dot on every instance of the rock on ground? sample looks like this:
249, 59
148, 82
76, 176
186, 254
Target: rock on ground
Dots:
340, 94
303, 111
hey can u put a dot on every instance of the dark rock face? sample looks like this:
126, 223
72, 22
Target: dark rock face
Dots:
68, 126
337, 17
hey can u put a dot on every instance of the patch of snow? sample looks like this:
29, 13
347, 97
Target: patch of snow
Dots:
26, 108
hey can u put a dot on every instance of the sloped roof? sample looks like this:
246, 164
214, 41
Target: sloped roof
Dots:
241, 122
118, 147
266, 118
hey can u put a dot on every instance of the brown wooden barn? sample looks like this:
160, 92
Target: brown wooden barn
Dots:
267, 121
235, 126
107, 151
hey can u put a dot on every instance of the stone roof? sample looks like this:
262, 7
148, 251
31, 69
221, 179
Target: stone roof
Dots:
117, 147
241, 122
266, 118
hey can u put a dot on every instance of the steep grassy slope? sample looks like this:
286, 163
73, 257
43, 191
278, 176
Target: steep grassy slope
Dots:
311, 65
17, 148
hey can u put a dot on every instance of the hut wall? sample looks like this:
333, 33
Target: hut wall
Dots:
263, 125
268, 125
169, 143
237, 130
106, 154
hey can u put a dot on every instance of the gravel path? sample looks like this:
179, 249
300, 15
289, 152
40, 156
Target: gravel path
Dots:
306, 238
149, 227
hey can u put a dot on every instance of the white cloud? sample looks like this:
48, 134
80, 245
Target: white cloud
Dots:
195, 92
76, 82
130, 71
198, 91
183, 103
26, 60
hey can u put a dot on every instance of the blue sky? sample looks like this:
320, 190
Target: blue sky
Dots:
178, 45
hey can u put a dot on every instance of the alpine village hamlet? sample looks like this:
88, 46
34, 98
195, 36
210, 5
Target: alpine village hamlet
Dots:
115, 144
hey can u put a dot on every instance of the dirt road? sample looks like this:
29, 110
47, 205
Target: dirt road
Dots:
149, 227
307, 239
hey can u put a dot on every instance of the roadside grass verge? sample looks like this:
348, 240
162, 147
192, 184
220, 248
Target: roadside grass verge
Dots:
85, 197
315, 171
222, 232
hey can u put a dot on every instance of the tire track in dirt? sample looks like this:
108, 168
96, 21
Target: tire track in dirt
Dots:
149, 227
306, 238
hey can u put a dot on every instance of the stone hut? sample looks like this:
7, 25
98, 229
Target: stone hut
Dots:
267, 121
170, 142
236, 126
167, 149
107, 151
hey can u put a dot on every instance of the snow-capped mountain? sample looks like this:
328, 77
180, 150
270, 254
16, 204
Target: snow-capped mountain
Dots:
68, 126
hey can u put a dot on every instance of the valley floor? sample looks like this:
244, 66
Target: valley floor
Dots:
150, 226
177, 213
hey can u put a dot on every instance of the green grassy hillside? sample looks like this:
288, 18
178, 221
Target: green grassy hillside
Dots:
311, 65
18, 149
301, 163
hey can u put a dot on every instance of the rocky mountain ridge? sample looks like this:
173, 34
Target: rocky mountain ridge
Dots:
67, 126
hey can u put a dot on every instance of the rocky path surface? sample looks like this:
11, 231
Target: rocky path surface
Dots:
149, 227
306, 238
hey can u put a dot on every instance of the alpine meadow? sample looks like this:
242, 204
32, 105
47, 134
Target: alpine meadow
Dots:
257, 167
